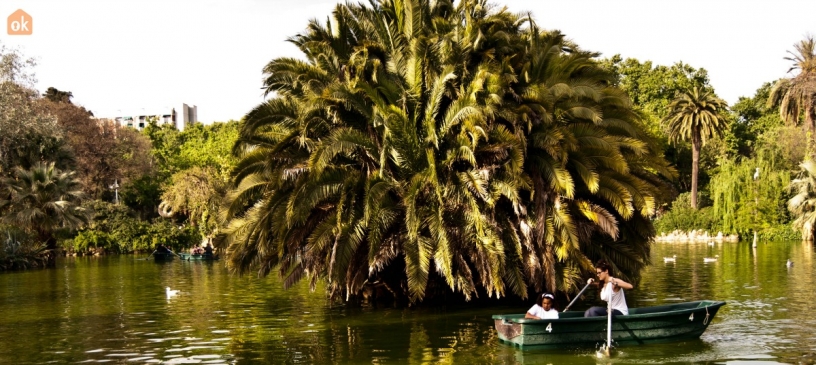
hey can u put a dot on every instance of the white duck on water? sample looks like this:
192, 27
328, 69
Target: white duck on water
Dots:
171, 293
670, 259
789, 263
709, 259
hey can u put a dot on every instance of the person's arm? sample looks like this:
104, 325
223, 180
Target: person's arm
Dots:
529, 315
618, 283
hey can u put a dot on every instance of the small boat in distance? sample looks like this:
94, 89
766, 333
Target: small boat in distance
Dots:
664, 323
198, 257
670, 259
163, 256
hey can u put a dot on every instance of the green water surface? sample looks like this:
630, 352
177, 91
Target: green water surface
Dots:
115, 310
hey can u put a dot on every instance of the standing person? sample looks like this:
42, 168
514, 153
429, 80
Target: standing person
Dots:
543, 309
611, 292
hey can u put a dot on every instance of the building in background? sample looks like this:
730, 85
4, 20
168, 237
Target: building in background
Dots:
179, 116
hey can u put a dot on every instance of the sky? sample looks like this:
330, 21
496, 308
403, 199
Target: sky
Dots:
121, 56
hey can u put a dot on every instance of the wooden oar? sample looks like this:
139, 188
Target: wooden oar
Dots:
608, 350
578, 296
151, 254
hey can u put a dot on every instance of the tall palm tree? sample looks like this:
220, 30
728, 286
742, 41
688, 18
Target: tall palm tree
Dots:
696, 115
427, 145
42, 200
803, 204
796, 95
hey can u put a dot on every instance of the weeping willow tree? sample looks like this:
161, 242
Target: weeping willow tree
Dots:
749, 195
427, 147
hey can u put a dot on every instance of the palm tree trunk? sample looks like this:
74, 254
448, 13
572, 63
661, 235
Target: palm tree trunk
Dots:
541, 200
810, 122
695, 167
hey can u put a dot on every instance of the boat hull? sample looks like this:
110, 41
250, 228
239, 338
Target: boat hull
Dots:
198, 257
667, 323
162, 257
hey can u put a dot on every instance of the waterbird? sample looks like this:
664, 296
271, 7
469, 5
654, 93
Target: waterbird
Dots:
789, 263
670, 259
171, 293
709, 259
711, 243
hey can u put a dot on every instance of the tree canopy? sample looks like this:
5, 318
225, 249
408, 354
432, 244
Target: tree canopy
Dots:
426, 146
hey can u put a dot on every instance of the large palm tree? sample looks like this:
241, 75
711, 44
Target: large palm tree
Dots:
42, 200
796, 95
696, 115
803, 204
425, 146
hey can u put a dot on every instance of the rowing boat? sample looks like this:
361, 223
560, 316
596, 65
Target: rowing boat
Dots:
198, 257
665, 323
163, 256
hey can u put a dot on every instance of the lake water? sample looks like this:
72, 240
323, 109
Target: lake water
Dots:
114, 309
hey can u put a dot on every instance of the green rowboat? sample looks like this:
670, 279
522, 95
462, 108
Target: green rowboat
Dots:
163, 256
665, 323
198, 257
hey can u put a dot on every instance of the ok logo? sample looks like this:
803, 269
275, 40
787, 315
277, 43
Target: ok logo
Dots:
20, 23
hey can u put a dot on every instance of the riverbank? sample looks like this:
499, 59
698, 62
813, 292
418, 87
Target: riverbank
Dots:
695, 236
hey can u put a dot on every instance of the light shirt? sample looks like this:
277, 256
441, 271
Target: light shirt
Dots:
539, 312
618, 299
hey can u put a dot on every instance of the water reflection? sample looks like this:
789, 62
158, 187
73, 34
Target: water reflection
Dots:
115, 310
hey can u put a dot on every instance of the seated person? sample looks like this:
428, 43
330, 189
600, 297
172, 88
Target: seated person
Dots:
611, 292
162, 249
208, 249
543, 309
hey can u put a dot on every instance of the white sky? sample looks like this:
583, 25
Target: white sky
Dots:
127, 55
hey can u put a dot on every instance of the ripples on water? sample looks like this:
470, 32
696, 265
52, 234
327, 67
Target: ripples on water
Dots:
114, 309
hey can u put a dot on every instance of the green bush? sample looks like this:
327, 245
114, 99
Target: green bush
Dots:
682, 217
19, 251
115, 229
91, 241
779, 232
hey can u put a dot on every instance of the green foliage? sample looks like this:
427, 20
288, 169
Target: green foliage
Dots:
18, 251
142, 195
425, 143
208, 146
748, 205
685, 218
162, 232
115, 228
42, 201
196, 194
779, 232
803, 204
653, 87
91, 240
795, 96
695, 115
28, 134
165, 147
203, 146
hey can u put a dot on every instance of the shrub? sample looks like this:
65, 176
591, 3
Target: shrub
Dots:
20, 252
682, 217
91, 240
